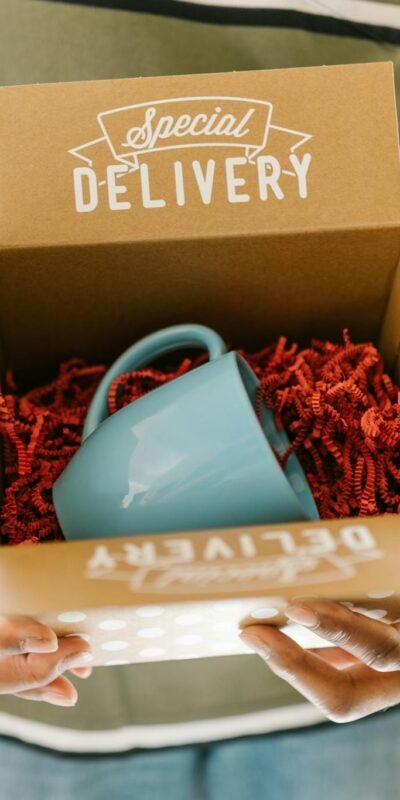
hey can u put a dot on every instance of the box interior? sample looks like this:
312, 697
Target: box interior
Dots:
66, 302
93, 302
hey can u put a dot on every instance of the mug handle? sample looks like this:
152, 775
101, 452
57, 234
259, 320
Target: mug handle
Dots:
145, 351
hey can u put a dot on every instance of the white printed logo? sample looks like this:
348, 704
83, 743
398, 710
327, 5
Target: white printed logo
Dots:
267, 560
131, 134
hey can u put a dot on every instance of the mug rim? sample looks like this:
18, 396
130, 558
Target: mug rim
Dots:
308, 504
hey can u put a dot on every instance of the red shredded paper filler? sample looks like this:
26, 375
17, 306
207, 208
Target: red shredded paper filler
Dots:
339, 407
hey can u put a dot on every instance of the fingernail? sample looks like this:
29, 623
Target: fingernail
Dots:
303, 616
81, 659
88, 672
256, 643
58, 699
32, 645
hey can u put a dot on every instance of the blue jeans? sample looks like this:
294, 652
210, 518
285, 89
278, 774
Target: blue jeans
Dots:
340, 762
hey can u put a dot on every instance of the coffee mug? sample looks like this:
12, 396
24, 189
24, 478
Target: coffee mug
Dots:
190, 455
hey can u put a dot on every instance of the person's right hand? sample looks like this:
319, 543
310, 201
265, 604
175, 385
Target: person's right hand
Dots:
32, 660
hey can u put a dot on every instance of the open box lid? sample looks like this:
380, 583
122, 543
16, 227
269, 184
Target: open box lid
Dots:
260, 203
241, 153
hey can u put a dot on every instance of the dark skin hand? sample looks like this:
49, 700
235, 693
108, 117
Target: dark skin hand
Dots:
33, 660
358, 676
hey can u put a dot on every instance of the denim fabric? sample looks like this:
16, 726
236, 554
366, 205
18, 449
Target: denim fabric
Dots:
339, 762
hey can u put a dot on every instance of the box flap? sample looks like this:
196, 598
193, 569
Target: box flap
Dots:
238, 153
173, 595
271, 207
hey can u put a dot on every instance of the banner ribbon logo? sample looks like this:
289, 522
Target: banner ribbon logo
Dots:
177, 123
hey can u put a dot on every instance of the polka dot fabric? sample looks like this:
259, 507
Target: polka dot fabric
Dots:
122, 635
172, 632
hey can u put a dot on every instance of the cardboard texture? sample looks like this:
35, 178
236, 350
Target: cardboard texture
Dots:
261, 203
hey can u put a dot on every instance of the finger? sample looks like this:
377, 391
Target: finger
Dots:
59, 692
335, 656
82, 672
329, 689
374, 643
342, 695
33, 670
19, 634
374, 691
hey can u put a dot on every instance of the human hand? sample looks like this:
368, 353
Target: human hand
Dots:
32, 661
357, 677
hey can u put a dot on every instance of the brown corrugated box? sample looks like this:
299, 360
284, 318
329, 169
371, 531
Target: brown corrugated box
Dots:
260, 203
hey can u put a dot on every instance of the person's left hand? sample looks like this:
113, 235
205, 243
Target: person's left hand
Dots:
357, 677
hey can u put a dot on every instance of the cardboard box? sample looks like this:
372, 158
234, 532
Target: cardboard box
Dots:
259, 203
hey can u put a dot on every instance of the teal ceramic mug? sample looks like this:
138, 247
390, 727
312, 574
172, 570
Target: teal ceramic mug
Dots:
191, 454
